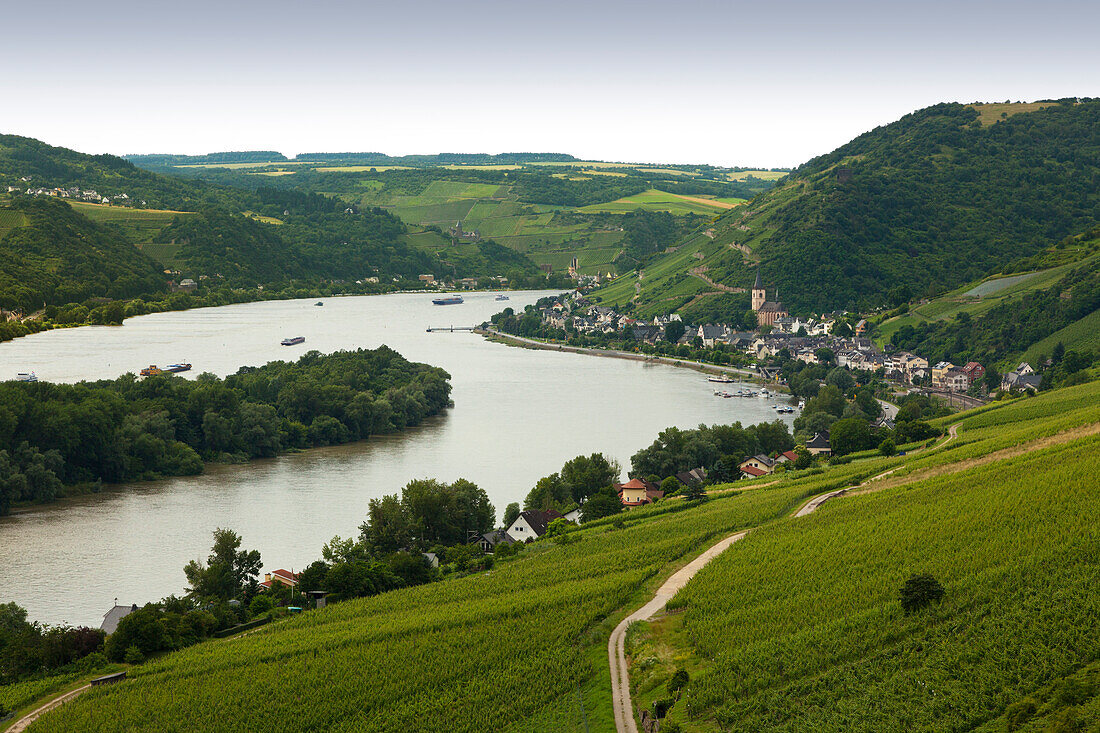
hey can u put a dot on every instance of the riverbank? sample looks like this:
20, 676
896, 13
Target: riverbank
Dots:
699, 366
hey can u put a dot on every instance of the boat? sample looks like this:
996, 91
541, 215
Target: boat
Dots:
178, 368
318, 303
447, 300
502, 297
720, 380
151, 371
26, 377
293, 341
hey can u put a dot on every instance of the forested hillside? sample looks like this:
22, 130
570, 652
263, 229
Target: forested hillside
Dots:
51, 255
941, 197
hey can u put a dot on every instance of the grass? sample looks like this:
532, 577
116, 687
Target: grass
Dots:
657, 200
139, 225
990, 114
1081, 335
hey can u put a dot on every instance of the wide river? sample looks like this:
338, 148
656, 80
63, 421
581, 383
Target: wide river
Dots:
518, 414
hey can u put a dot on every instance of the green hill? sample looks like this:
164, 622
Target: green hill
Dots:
797, 627
943, 196
51, 255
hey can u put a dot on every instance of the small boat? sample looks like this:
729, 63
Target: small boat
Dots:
26, 377
502, 297
178, 368
720, 380
293, 341
151, 371
318, 303
448, 300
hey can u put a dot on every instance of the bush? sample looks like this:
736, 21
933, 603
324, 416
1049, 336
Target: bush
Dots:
919, 592
1019, 713
887, 447
261, 604
679, 681
662, 706
133, 655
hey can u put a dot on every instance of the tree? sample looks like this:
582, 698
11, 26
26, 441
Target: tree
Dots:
670, 486
511, 513
229, 571
673, 331
850, 435
805, 458
920, 591
584, 474
602, 503
887, 447
695, 491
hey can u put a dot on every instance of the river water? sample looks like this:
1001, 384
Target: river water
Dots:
519, 414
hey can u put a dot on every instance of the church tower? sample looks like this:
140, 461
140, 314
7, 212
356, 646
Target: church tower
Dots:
759, 295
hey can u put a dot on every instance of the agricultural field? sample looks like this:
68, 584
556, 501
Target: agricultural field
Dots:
992, 113
656, 200
10, 219
138, 225
977, 298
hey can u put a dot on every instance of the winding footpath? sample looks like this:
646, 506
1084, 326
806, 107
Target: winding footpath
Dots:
20, 725
616, 645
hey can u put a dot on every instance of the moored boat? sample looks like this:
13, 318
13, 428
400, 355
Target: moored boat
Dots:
178, 368
26, 377
293, 341
151, 371
447, 300
502, 297
720, 380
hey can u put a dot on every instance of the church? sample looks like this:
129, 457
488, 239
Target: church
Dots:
767, 311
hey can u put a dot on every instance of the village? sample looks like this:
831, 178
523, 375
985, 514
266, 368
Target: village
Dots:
75, 193
840, 339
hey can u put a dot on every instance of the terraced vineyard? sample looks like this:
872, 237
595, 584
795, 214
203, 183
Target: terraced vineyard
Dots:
797, 627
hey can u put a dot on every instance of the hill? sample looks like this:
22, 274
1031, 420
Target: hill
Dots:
51, 255
797, 627
943, 196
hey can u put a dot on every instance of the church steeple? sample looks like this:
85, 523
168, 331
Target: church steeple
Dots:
759, 294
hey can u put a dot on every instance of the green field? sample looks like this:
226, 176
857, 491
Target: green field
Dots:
797, 627
977, 298
11, 220
656, 200
139, 225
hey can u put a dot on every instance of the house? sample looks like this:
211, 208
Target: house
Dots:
759, 462
861, 327
187, 285
694, 476
787, 456
283, 577
956, 380
975, 371
1021, 381
574, 516
638, 492
116, 614
819, 445
427, 279
1024, 368
432, 558
531, 525
940, 371
751, 472
489, 540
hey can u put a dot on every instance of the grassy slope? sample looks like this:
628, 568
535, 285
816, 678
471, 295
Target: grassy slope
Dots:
796, 628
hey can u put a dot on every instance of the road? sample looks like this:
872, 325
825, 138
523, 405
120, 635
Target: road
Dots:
616, 645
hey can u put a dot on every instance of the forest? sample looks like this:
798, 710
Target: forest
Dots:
54, 436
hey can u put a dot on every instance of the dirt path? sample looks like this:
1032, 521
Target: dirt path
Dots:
20, 725
616, 649
616, 645
700, 271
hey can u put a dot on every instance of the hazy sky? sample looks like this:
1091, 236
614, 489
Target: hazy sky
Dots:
729, 83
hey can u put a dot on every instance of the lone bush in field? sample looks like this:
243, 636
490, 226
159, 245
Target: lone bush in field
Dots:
678, 682
920, 591
1019, 713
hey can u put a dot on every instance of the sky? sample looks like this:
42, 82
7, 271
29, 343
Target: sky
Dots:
693, 81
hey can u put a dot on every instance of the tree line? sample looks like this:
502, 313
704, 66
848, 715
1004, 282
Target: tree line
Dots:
86, 434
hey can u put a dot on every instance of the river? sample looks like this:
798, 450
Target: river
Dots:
518, 414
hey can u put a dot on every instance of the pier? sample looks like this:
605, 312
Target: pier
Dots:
452, 329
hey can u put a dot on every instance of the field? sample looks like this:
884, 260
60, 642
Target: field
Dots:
656, 200
139, 225
797, 627
977, 298
493, 211
993, 113
11, 220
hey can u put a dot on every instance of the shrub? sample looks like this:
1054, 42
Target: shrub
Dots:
133, 655
261, 604
679, 681
1019, 713
920, 591
887, 447
662, 706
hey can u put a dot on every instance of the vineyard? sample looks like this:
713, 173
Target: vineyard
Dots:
797, 627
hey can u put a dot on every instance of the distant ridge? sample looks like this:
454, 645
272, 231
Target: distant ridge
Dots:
271, 156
